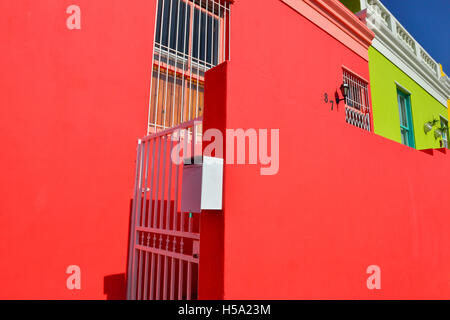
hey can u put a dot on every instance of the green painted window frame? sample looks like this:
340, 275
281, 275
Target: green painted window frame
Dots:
408, 129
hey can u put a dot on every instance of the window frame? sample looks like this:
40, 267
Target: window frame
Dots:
444, 141
409, 117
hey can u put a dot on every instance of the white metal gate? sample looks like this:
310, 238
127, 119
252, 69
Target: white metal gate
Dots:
164, 244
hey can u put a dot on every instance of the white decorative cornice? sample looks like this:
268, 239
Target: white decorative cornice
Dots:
397, 45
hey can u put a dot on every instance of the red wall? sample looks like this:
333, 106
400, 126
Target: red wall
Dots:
72, 105
343, 199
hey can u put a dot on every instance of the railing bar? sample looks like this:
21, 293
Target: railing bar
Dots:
148, 211
183, 125
180, 278
167, 222
131, 250
161, 219
136, 268
150, 204
152, 272
189, 270
189, 235
146, 148
175, 221
163, 186
155, 218
162, 252
169, 188
146, 270
172, 272
155, 211
139, 290
189, 281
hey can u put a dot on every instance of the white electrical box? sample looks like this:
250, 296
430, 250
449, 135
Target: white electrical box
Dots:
202, 184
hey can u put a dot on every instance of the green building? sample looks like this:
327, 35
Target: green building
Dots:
409, 92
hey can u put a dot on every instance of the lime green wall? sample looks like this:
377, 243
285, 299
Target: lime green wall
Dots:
353, 5
383, 78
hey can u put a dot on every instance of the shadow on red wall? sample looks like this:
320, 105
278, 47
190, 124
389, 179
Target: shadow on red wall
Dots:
114, 286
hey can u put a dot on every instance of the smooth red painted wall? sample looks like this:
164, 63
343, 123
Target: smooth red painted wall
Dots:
72, 105
343, 199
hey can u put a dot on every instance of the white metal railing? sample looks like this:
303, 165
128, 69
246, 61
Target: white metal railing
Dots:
191, 37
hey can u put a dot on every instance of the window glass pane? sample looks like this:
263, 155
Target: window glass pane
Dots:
212, 45
172, 24
198, 44
205, 40
403, 114
404, 134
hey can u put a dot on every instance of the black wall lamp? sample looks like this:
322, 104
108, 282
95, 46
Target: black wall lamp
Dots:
344, 90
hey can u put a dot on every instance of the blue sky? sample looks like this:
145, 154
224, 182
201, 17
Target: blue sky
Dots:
428, 21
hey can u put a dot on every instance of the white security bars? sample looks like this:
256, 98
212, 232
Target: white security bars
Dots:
191, 37
357, 105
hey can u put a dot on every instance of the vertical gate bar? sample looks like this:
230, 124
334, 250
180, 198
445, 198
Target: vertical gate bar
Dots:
132, 226
149, 217
137, 222
139, 276
146, 148
181, 262
174, 224
161, 220
167, 222
154, 222
180, 269
189, 270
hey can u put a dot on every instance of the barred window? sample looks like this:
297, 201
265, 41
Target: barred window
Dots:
357, 105
191, 37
